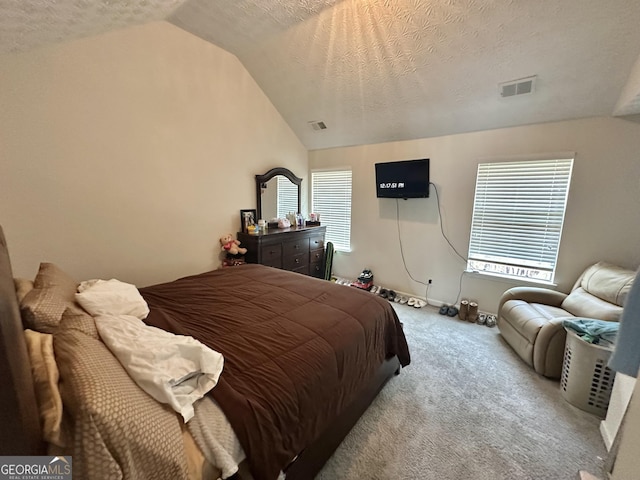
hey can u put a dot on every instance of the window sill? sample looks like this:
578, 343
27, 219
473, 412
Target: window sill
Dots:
511, 280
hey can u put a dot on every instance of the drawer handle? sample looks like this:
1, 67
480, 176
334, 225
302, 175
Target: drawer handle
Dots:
271, 252
317, 255
296, 247
297, 260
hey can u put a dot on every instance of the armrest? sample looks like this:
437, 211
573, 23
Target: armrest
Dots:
548, 351
533, 295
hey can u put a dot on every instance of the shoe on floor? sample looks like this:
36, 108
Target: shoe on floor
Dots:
472, 316
403, 300
419, 303
383, 292
491, 321
443, 309
366, 276
464, 310
411, 302
452, 311
482, 319
391, 296
362, 286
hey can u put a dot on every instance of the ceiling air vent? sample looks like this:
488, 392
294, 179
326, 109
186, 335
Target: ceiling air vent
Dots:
318, 125
522, 86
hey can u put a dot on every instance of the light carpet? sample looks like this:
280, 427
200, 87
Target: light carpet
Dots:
466, 408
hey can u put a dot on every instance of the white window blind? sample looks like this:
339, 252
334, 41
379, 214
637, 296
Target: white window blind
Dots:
331, 198
518, 214
287, 197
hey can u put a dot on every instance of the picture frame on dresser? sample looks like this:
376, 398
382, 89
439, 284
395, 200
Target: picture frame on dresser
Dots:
247, 217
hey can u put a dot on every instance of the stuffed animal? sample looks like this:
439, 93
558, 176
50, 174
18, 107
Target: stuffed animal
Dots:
230, 245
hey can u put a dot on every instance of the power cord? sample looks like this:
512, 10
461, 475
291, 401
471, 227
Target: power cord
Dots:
449, 242
460, 287
401, 248
441, 227
428, 285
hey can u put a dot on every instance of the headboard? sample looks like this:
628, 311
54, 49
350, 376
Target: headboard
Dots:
20, 432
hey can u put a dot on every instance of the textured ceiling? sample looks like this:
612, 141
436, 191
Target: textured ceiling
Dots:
382, 70
25, 24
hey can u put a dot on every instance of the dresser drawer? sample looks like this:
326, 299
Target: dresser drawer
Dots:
271, 255
296, 250
296, 261
316, 256
295, 247
316, 269
316, 242
304, 270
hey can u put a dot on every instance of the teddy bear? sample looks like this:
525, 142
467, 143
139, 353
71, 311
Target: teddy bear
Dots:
230, 245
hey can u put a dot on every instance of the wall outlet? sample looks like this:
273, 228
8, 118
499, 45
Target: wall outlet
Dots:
430, 281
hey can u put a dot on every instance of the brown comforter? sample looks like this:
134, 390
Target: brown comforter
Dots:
297, 350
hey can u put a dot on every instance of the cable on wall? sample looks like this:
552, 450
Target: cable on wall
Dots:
401, 248
449, 242
426, 294
443, 235
441, 227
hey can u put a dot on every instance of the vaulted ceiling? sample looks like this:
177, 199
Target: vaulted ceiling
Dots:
383, 70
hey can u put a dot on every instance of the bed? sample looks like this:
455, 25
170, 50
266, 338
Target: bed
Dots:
303, 360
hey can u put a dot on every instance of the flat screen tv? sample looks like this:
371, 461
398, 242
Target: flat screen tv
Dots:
404, 179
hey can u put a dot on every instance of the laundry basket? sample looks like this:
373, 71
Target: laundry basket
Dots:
586, 380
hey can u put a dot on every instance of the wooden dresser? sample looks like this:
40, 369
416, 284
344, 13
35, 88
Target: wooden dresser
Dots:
297, 249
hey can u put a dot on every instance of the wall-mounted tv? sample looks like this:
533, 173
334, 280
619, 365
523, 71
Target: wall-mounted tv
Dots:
404, 179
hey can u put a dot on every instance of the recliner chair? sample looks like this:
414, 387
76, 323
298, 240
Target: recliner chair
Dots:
530, 318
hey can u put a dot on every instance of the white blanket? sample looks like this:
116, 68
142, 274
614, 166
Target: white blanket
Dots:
173, 369
111, 297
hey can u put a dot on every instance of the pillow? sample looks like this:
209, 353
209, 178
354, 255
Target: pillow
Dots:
75, 318
119, 431
111, 297
53, 291
45, 382
580, 303
608, 282
22, 286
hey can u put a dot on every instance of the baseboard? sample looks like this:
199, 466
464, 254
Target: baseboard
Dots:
606, 435
432, 302
582, 475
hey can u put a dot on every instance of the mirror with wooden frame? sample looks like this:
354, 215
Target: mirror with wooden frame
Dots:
278, 189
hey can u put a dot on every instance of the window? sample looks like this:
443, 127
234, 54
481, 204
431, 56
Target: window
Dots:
518, 213
287, 197
331, 198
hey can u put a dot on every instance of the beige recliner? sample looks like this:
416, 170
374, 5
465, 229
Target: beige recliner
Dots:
530, 318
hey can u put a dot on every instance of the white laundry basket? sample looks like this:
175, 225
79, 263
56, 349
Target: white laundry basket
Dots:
586, 380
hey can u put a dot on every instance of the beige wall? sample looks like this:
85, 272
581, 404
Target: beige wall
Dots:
602, 220
627, 462
620, 397
129, 154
